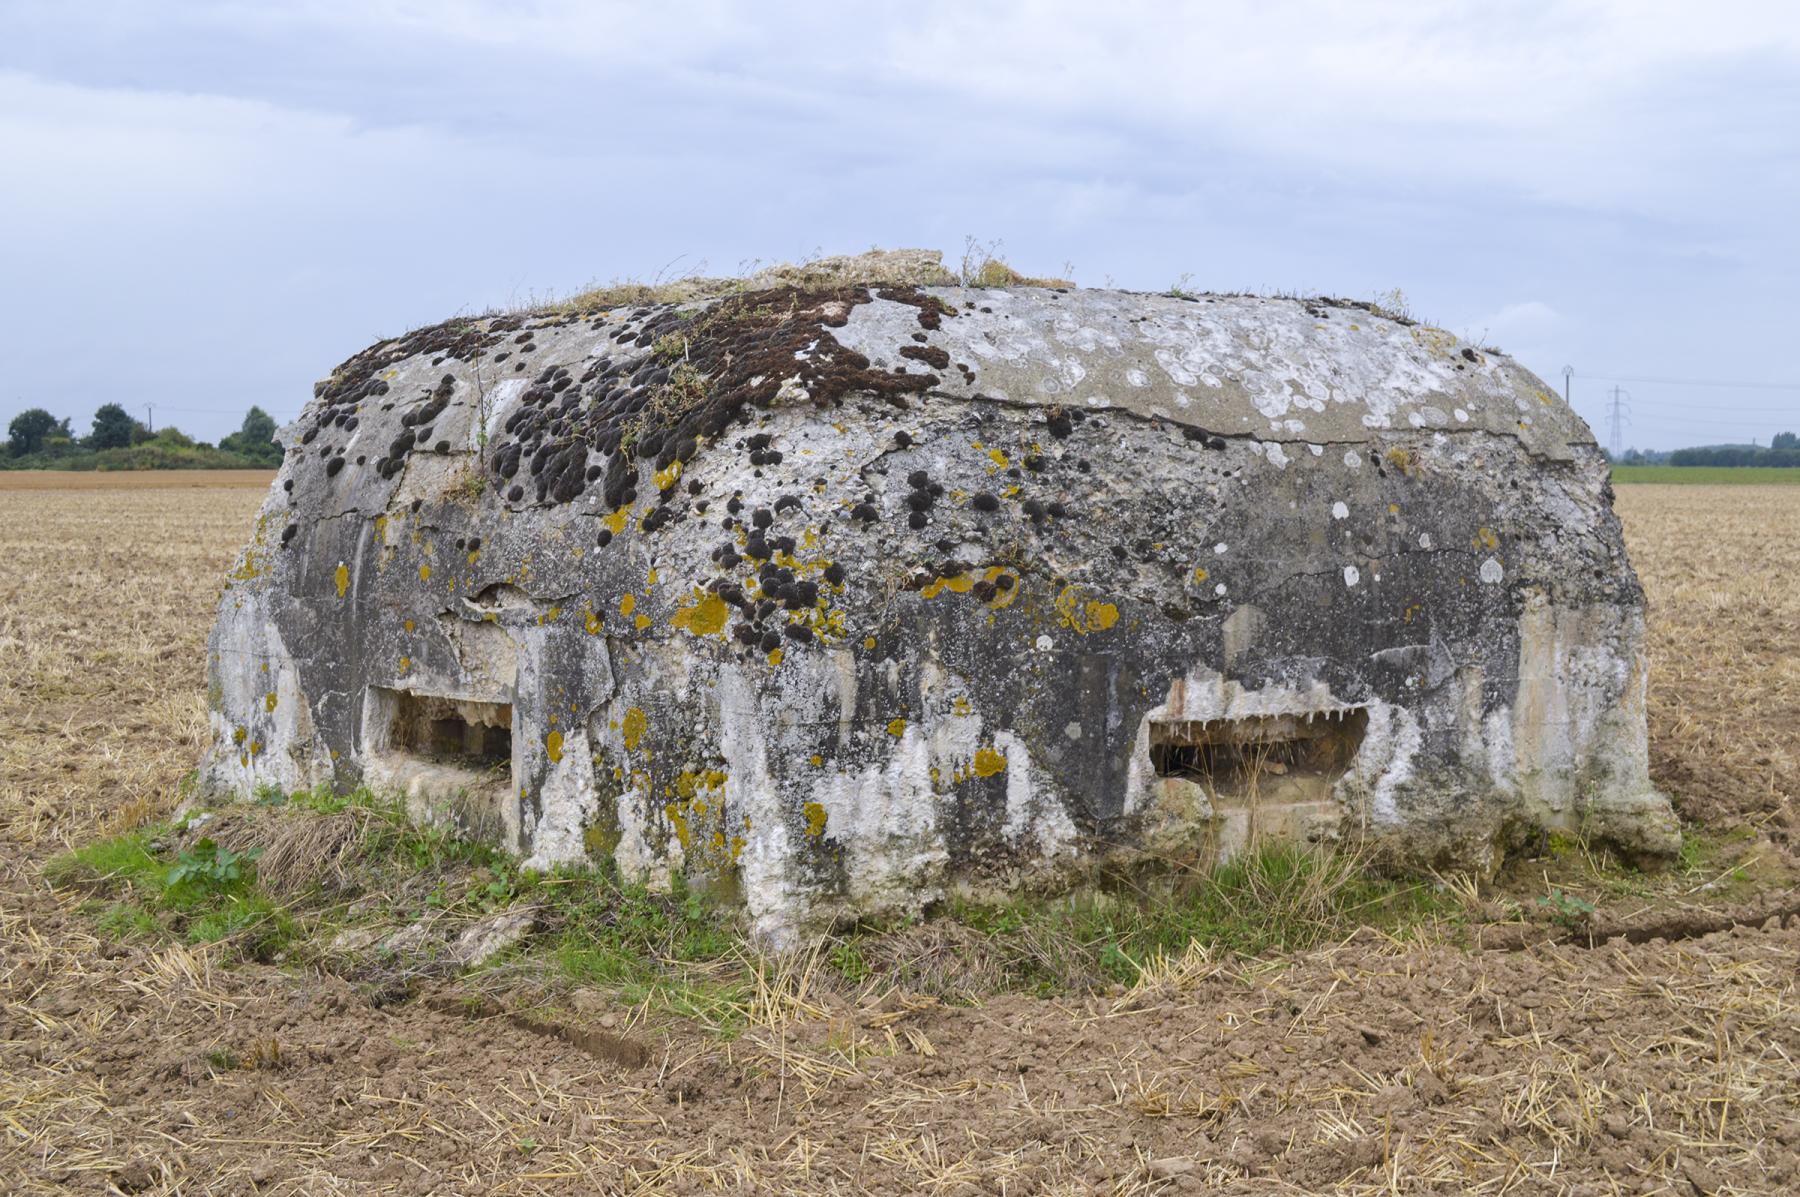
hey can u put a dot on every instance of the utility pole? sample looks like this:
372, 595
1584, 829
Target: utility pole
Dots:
1616, 411
150, 416
1568, 373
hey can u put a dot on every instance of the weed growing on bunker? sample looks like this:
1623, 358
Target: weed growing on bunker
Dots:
207, 866
1567, 910
983, 266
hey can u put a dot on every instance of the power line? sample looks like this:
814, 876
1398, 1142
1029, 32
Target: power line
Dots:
1694, 382
1784, 409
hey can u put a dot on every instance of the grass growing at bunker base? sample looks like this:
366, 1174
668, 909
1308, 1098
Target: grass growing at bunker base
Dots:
375, 871
670, 952
1274, 897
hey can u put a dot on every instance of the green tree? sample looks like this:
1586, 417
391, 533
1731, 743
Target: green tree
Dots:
1785, 440
32, 427
112, 427
256, 439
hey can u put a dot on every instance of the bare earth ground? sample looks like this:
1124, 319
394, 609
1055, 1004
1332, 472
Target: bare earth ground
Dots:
1645, 1064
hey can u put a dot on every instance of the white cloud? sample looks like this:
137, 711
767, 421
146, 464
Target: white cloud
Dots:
1531, 317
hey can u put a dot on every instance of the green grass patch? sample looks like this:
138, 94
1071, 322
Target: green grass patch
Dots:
124, 921
201, 893
1276, 898
123, 861
257, 926
677, 953
1707, 475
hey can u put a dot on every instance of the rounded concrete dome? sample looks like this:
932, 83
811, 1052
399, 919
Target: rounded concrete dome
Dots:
839, 593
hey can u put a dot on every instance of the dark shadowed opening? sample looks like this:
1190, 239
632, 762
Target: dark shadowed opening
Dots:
1259, 752
474, 735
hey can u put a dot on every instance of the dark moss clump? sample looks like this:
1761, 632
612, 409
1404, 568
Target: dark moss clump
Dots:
706, 369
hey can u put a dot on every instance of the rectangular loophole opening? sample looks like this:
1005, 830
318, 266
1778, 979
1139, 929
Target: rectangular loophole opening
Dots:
458, 732
1280, 758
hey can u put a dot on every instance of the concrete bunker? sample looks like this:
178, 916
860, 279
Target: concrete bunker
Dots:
848, 588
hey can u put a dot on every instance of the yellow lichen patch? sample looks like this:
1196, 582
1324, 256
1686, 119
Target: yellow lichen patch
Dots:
553, 746
615, 523
409, 625
989, 761
651, 579
674, 812
999, 458
775, 657
1487, 540
1200, 574
897, 727
869, 643
631, 730
1400, 459
424, 571
343, 579
641, 622
591, 622
815, 819
599, 841
956, 584
817, 760
688, 783
628, 604
269, 701
705, 616
1084, 615
959, 706
239, 735
405, 664
664, 479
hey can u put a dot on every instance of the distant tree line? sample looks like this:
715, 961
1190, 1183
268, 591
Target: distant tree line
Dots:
1784, 450
35, 439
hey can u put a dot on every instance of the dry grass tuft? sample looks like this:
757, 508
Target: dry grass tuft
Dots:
299, 851
895, 267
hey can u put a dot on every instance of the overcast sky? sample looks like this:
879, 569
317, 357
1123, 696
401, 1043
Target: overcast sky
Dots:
208, 205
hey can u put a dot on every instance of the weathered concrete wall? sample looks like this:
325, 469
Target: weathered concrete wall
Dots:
844, 599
